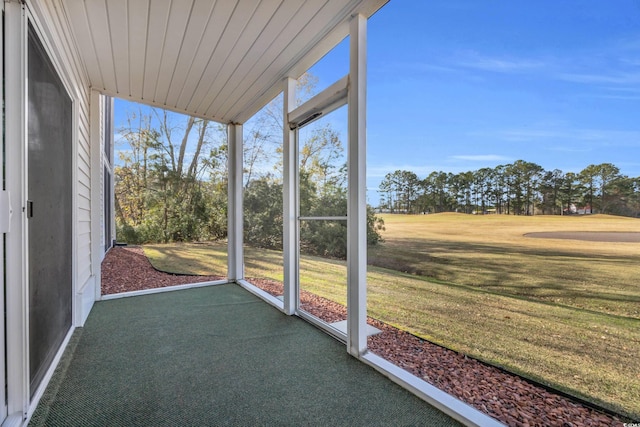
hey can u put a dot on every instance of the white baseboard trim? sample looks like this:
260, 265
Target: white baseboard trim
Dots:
266, 296
448, 404
165, 289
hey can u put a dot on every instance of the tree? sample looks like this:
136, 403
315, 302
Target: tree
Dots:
322, 157
588, 178
607, 173
322, 181
262, 143
255, 153
460, 188
171, 179
435, 190
391, 187
549, 188
410, 187
386, 192
263, 213
402, 190
131, 176
569, 191
499, 188
482, 184
623, 196
518, 188
523, 178
466, 181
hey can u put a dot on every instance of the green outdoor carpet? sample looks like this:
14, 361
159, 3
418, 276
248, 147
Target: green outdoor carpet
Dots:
216, 356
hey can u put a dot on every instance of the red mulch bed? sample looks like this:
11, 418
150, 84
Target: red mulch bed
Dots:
126, 269
506, 397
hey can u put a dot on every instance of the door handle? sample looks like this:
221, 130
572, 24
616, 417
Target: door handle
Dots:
29, 209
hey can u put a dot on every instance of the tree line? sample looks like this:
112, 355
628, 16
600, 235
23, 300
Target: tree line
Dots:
519, 188
171, 181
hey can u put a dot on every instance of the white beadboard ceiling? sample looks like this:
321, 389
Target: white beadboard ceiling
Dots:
222, 60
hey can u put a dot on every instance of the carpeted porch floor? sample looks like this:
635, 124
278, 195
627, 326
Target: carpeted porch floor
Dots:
216, 356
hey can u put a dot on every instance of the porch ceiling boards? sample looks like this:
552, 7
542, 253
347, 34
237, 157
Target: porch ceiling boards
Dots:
222, 60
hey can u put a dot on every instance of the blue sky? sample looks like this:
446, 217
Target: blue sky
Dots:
485, 83
460, 85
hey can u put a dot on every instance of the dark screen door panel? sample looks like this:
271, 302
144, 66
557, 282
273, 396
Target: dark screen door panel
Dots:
49, 210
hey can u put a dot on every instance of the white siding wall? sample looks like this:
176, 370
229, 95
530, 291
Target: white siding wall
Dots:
57, 38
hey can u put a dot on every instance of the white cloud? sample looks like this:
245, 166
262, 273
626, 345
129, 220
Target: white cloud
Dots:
482, 158
550, 134
569, 149
404, 67
499, 64
617, 78
613, 65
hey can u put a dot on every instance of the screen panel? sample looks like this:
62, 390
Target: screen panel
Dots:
3, 365
49, 210
107, 209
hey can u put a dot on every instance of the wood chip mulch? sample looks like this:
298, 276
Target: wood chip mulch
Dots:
126, 269
504, 396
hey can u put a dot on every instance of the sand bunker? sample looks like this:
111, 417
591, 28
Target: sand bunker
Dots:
589, 236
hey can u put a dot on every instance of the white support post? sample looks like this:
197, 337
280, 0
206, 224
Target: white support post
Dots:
289, 213
17, 297
357, 202
97, 248
235, 259
111, 159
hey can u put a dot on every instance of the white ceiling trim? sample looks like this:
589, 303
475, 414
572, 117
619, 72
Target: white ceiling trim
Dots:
221, 60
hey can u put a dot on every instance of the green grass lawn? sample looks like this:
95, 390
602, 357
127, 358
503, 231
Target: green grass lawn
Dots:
564, 312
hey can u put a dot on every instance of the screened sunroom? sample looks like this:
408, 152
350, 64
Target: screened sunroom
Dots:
63, 61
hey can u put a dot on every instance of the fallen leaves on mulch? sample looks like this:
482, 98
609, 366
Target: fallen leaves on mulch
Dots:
504, 396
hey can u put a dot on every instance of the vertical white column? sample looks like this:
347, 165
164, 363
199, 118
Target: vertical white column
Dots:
97, 207
111, 160
289, 212
17, 297
357, 203
235, 255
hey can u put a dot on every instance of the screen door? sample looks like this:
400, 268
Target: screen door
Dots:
322, 218
49, 210
3, 361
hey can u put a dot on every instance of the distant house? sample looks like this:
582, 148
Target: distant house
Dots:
575, 210
585, 210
